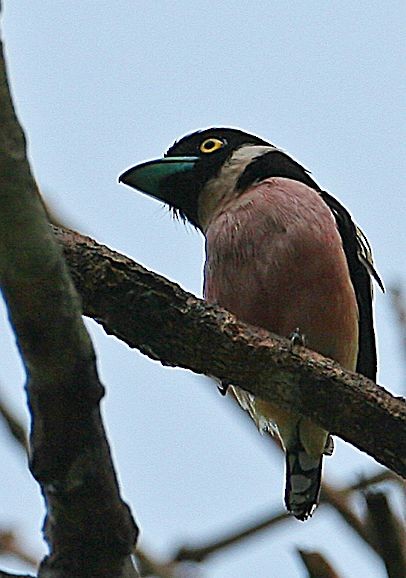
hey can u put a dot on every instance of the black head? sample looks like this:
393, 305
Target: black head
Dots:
180, 176
195, 144
212, 147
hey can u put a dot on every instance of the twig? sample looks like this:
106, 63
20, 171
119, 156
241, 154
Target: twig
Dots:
9, 545
338, 499
367, 482
329, 495
7, 575
317, 565
150, 567
399, 305
389, 534
200, 553
340, 503
14, 426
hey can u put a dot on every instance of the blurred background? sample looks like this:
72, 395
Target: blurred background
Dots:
99, 86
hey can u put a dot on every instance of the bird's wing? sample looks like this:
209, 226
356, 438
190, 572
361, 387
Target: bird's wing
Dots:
360, 264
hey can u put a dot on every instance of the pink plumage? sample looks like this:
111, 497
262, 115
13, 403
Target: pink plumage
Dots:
275, 259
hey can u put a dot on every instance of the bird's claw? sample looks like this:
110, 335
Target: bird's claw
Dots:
329, 447
297, 338
223, 387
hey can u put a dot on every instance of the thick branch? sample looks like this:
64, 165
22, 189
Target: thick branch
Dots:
89, 528
163, 321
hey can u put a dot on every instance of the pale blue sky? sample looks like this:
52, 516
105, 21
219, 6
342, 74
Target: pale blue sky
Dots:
101, 85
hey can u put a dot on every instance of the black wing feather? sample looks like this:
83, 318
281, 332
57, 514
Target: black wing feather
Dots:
360, 264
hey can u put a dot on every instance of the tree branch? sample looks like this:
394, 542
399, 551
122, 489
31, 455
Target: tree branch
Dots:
7, 575
366, 482
166, 323
329, 495
150, 567
317, 566
200, 552
89, 528
399, 305
389, 534
15, 428
10, 546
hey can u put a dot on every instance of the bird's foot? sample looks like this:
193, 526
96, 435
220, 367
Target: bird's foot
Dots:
297, 338
223, 387
329, 447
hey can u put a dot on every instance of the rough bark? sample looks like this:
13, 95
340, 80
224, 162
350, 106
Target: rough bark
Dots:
89, 529
152, 314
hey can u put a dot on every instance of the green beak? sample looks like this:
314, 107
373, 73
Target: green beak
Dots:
153, 177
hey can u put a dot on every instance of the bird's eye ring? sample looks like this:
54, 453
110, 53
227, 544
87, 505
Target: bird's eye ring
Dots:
210, 145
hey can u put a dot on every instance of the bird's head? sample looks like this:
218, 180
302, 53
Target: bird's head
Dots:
201, 169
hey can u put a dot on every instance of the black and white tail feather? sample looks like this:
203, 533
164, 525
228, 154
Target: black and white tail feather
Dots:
303, 472
303, 480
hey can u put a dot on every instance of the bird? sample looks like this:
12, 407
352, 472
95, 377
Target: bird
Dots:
281, 254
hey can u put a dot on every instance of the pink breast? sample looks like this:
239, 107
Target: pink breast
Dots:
274, 258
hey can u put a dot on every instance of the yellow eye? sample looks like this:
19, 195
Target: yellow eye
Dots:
211, 144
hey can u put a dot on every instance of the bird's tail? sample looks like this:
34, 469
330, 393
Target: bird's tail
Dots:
303, 479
